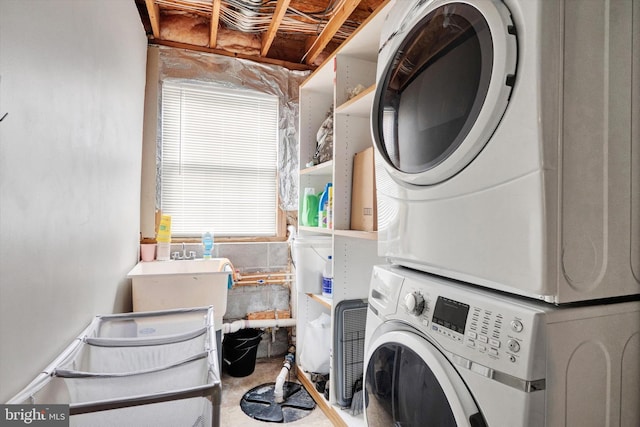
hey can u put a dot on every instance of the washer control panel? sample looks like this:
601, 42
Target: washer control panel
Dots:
475, 326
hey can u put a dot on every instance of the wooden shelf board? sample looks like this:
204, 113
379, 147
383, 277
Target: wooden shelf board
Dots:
324, 301
359, 105
368, 235
356, 234
336, 415
323, 403
325, 168
316, 229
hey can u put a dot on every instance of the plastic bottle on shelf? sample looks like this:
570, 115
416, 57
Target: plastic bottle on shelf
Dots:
322, 206
327, 278
207, 242
330, 209
309, 208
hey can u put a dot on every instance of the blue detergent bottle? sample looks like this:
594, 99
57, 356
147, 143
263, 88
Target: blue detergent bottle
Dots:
207, 242
322, 206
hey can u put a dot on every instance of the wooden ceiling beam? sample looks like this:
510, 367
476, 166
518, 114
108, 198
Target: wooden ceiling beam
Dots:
342, 13
154, 17
187, 46
215, 18
278, 15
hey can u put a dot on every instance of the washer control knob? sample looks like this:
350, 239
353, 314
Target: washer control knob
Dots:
513, 345
414, 302
517, 326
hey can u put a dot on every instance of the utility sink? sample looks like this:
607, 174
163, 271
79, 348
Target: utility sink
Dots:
162, 285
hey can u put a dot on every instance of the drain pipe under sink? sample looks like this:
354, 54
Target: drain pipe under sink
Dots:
268, 323
278, 392
258, 324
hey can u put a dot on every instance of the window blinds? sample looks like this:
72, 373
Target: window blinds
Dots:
218, 160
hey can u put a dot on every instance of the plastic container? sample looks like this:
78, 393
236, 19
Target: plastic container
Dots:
330, 209
322, 206
147, 251
239, 351
309, 216
309, 255
207, 242
327, 278
163, 251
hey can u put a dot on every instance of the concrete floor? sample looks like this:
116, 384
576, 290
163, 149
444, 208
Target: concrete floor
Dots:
234, 388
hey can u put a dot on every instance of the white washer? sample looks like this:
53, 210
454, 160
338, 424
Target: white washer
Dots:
439, 353
508, 144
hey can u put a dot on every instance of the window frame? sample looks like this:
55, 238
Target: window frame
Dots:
280, 214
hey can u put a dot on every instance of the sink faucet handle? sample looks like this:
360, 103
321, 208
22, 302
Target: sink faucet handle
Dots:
192, 254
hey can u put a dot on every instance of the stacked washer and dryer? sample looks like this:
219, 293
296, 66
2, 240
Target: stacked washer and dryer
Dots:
507, 138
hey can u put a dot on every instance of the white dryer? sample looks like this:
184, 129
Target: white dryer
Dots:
438, 353
508, 144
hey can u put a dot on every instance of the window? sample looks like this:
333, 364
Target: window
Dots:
218, 160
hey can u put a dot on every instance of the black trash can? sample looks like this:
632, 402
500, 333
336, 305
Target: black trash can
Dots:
239, 350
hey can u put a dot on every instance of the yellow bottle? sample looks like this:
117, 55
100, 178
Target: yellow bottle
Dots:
164, 230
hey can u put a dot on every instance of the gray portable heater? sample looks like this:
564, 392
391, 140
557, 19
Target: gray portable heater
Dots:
348, 344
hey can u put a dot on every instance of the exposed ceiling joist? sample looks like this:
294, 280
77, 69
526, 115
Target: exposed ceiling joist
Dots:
334, 24
154, 16
186, 46
288, 32
267, 38
215, 18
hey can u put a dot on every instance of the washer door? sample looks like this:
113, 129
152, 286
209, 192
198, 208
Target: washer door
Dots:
408, 382
444, 80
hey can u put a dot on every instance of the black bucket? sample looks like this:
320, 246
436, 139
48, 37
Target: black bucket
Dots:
239, 350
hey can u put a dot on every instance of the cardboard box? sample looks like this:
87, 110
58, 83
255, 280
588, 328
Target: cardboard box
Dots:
364, 212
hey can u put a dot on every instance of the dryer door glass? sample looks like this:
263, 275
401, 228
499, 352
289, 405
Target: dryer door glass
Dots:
434, 88
402, 390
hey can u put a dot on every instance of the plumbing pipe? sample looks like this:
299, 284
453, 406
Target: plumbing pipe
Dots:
258, 324
278, 392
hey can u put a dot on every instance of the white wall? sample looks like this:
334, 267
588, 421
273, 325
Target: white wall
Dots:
72, 76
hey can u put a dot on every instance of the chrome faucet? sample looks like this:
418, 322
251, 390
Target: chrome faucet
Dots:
184, 255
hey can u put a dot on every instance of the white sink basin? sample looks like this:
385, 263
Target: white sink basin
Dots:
190, 266
162, 285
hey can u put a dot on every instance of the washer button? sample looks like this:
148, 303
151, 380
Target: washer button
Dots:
517, 326
483, 339
513, 345
494, 342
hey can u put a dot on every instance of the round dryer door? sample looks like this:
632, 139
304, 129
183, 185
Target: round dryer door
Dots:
444, 80
408, 382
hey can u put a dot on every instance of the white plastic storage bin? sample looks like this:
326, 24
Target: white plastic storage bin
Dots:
309, 257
